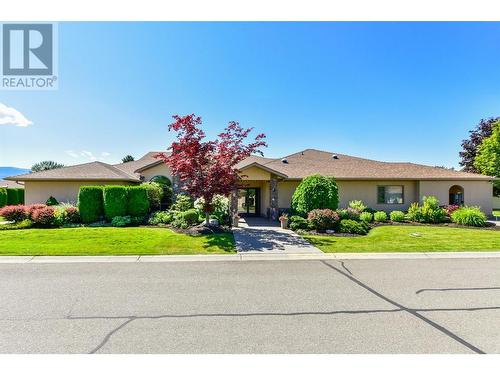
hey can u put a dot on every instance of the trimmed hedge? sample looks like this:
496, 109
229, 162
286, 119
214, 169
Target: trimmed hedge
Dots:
138, 201
90, 203
15, 196
115, 201
3, 197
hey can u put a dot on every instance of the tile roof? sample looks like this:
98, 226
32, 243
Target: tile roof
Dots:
10, 184
89, 171
310, 161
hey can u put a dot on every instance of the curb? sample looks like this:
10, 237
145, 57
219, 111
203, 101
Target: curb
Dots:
242, 257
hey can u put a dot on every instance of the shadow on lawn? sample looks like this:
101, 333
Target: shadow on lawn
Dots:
224, 241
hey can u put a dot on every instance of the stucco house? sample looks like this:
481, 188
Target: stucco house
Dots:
269, 183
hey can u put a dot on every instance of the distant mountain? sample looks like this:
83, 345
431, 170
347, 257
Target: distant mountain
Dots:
11, 171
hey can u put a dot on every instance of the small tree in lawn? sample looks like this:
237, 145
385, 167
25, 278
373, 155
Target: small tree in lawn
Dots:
208, 168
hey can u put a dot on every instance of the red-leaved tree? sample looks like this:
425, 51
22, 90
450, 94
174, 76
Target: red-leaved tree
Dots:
206, 168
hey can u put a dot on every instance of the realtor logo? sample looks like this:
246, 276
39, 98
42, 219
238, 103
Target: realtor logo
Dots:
28, 56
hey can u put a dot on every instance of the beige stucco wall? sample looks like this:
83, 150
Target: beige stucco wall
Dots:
367, 192
255, 174
285, 192
476, 193
157, 170
63, 191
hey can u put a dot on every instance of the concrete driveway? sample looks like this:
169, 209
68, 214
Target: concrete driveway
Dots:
260, 235
334, 306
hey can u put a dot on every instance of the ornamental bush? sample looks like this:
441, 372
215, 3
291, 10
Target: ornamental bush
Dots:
32, 208
155, 195
323, 219
51, 201
380, 216
298, 222
191, 216
366, 217
353, 227
12, 197
183, 202
20, 195
14, 213
451, 208
357, 205
120, 221
115, 201
161, 217
428, 212
397, 216
3, 197
90, 203
138, 202
471, 216
43, 216
315, 192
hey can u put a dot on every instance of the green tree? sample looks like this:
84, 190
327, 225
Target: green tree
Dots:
488, 157
315, 192
45, 166
128, 158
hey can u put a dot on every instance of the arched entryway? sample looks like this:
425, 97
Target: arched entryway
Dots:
456, 194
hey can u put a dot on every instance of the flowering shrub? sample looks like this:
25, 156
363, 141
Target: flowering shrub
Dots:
32, 208
72, 214
322, 219
43, 216
357, 205
14, 213
450, 209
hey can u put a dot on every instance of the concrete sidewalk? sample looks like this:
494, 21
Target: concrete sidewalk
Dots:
243, 257
257, 235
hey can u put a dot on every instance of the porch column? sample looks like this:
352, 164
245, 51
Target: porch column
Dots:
176, 185
273, 186
233, 206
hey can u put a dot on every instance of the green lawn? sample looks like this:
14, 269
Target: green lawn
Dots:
496, 213
111, 241
393, 238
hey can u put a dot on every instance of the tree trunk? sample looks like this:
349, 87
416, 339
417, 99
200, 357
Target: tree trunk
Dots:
207, 218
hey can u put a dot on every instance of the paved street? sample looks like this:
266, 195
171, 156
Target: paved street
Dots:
312, 306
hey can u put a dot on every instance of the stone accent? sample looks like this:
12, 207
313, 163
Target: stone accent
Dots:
273, 186
233, 204
176, 185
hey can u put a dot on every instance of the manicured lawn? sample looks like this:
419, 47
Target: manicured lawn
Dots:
111, 241
393, 238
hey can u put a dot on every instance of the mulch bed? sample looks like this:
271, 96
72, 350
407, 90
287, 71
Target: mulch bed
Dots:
201, 229
489, 226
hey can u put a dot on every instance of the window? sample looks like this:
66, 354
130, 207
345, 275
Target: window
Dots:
390, 194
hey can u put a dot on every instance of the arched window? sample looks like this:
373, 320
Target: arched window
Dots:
162, 180
456, 194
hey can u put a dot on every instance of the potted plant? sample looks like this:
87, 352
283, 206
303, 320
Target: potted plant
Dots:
284, 221
236, 220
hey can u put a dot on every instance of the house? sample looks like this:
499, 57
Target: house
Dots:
10, 184
268, 183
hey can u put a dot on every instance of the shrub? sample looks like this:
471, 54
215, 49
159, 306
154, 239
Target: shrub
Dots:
353, 227
12, 197
191, 216
471, 216
397, 216
161, 180
138, 202
322, 219
220, 207
161, 217
32, 208
298, 222
90, 203
428, 212
43, 216
315, 192
183, 202
366, 217
343, 214
380, 216
180, 223
155, 195
353, 214
51, 201
14, 213
357, 205
450, 209
66, 215
3, 197
115, 201
121, 221
20, 196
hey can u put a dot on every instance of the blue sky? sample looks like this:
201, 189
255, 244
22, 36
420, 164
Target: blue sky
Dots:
386, 91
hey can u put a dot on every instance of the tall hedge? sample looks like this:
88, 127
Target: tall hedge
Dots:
3, 197
14, 197
315, 192
20, 195
115, 201
138, 202
90, 203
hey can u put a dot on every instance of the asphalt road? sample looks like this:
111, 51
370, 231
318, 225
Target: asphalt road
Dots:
354, 306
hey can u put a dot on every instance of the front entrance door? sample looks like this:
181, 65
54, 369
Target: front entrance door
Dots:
249, 202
